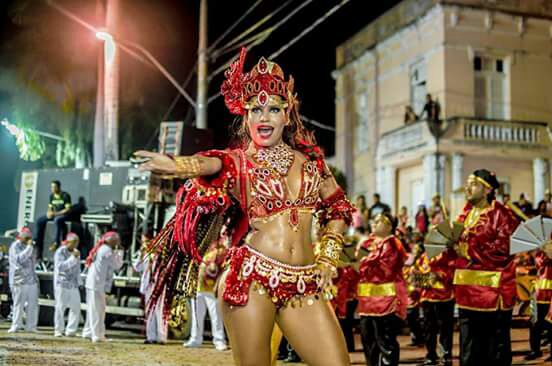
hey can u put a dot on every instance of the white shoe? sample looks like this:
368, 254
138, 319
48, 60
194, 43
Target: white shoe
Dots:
97, 340
58, 334
86, 335
12, 330
191, 344
67, 334
219, 346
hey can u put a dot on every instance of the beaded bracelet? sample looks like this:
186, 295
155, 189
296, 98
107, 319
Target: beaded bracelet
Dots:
331, 245
187, 166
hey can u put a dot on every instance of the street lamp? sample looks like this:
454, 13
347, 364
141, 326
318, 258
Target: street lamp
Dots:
110, 44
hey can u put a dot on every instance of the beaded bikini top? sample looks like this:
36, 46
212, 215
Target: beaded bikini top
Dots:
270, 195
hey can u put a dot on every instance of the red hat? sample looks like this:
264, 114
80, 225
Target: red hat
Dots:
71, 237
24, 233
109, 237
265, 79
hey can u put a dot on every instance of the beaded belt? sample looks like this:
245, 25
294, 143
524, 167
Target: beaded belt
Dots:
282, 282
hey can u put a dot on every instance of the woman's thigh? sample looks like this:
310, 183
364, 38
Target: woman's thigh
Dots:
249, 329
314, 332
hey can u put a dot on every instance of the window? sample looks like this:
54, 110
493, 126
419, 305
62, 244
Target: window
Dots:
490, 87
418, 89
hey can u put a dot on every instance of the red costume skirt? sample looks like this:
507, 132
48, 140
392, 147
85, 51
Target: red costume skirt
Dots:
282, 282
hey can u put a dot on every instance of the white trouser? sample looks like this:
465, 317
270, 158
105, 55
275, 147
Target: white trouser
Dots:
203, 301
66, 298
25, 295
156, 327
94, 326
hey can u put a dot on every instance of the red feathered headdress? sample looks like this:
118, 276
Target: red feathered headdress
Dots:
265, 79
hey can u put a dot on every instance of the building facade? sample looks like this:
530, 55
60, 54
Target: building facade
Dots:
489, 65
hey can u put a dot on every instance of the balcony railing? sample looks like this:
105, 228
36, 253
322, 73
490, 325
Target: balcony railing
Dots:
408, 137
505, 132
466, 130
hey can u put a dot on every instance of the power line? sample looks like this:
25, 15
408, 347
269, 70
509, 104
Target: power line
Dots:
268, 31
317, 124
309, 29
236, 39
209, 50
234, 25
292, 42
178, 95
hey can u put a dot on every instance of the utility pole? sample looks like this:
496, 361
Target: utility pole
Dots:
99, 148
202, 82
111, 83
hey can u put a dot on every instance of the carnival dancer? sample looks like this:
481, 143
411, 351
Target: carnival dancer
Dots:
102, 260
205, 300
484, 278
156, 325
270, 185
23, 282
437, 299
543, 294
67, 279
382, 294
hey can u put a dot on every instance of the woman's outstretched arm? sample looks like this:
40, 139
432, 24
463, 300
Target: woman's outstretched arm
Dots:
180, 166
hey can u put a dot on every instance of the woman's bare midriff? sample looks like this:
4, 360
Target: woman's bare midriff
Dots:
277, 240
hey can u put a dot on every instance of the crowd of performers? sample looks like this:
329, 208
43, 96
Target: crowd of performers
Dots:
243, 246
395, 283
102, 261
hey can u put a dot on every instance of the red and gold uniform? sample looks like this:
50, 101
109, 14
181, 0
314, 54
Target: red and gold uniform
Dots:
344, 301
543, 294
438, 304
485, 278
346, 283
382, 299
439, 287
382, 288
543, 286
485, 282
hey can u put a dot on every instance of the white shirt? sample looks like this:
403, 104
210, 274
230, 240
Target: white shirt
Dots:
142, 266
100, 272
66, 269
22, 264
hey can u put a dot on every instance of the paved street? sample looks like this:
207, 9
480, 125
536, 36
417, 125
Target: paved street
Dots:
126, 348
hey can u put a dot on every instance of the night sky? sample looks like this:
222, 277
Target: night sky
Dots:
168, 29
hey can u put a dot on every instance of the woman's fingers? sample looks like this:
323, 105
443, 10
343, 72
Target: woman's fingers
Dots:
148, 166
146, 154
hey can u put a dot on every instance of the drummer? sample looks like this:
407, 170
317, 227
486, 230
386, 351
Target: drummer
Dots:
484, 277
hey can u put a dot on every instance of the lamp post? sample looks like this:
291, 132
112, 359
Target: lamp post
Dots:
111, 43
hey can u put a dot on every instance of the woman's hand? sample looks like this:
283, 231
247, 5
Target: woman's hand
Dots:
158, 163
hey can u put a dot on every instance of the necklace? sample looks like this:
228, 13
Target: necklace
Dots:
279, 158
473, 216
